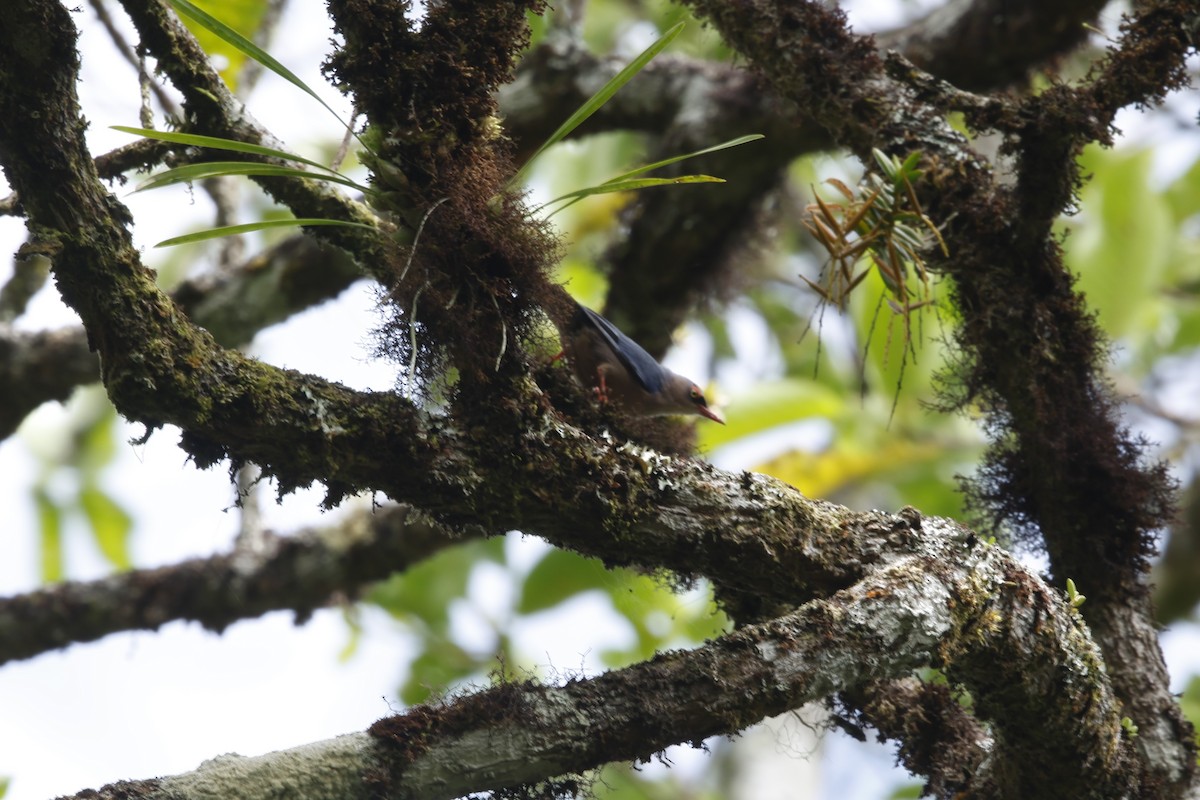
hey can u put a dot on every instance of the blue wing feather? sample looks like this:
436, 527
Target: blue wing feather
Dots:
648, 372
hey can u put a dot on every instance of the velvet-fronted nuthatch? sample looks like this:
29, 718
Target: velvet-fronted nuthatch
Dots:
622, 372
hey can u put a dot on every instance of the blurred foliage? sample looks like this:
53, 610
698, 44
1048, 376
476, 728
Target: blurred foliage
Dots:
422, 599
625, 26
622, 782
909, 791
74, 452
1190, 701
1136, 249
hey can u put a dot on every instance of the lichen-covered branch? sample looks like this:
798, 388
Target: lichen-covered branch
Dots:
878, 594
1061, 464
233, 306
300, 572
990, 44
944, 597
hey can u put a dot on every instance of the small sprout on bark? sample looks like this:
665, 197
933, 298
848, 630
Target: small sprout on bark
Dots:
1073, 596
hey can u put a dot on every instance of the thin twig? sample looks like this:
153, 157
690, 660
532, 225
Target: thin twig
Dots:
129, 54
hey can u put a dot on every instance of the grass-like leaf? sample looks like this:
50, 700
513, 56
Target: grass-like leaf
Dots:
218, 143
249, 227
626, 180
628, 185
633, 173
249, 48
597, 100
212, 169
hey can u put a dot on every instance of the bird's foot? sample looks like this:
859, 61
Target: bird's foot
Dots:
601, 391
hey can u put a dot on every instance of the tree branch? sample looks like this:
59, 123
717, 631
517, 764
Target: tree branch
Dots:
989, 44
1068, 468
948, 598
937, 737
301, 573
39, 367
623, 503
233, 306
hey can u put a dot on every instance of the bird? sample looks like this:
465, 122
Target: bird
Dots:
625, 374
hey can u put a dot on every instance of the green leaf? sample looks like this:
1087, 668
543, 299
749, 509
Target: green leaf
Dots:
250, 227
1187, 331
218, 143
597, 100
1183, 194
1189, 702
558, 576
426, 591
50, 534
625, 182
96, 433
1121, 245
212, 169
352, 616
244, 45
630, 185
245, 16
111, 525
442, 664
752, 137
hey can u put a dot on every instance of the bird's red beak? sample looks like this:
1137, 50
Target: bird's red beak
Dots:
705, 411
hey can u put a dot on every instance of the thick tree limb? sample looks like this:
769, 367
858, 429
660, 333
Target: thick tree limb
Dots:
623, 503
990, 44
1068, 467
948, 596
301, 573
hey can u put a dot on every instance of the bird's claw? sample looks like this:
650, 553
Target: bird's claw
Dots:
601, 391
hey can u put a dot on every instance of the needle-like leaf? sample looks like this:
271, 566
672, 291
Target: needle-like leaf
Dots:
232, 230
218, 143
597, 100
212, 169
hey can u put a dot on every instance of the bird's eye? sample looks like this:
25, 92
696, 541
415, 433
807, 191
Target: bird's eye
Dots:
696, 396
